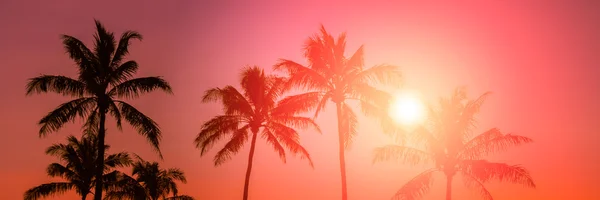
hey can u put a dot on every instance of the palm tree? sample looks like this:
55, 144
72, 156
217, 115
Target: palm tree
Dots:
150, 183
104, 80
253, 110
446, 140
79, 157
331, 76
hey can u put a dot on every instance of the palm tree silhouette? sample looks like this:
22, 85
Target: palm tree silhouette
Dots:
332, 76
79, 158
446, 138
254, 108
104, 78
151, 182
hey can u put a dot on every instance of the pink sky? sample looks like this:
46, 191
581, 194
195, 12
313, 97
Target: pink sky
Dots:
539, 59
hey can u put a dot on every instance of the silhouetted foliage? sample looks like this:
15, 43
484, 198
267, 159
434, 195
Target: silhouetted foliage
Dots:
149, 182
446, 140
254, 110
331, 76
77, 167
104, 80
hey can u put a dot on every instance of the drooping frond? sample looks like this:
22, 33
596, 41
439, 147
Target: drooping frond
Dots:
297, 122
472, 182
467, 121
490, 142
123, 46
145, 125
349, 124
234, 145
485, 171
232, 100
58, 170
47, 190
64, 113
58, 84
416, 187
403, 154
116, 113
289, 138
135, 87
274, 142
302, 77
121, 159
215, 129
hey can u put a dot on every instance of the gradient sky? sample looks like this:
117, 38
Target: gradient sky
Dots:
539, 59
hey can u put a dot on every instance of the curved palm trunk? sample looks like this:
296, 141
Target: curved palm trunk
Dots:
249, 169
341, 150
449, 187
100, 158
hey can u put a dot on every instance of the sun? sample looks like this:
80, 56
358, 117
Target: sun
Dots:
407, 109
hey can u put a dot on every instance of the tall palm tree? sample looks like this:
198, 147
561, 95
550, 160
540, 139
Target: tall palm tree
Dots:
446, 140
77, 167
254, 110
104, 80
332, 76
151, 182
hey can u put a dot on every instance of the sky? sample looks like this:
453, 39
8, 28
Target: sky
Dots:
539, 58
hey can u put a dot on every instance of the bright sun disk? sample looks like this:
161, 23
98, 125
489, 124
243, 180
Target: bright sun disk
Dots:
407, 110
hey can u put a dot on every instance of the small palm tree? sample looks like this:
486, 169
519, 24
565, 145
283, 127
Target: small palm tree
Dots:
446, 138
104, 79
249, 111
332, 76
150, 183
78, 166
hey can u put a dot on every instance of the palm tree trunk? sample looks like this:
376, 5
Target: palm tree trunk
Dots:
100, 158
341, 150
449, 187
249, 169
83, 196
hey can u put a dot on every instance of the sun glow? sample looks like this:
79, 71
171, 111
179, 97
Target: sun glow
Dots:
407, 109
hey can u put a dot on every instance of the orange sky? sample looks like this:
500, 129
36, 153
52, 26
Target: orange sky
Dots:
540, 60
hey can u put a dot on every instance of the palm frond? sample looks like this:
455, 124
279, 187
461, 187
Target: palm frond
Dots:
123, 72
123, 46
254, 85
114, 111
215, 129
145, 125
58, 170
180, 197
83, 56
234, 145
490, 142
416, 187
301, 103
485, 171
233, 101
104, 48
58, 84
135, 87
349, 124
389, 75
302, 77
403, 154
472, 182
357, 61
175, 174
467, 121
297, 122
290, 139
121, 159
47, 190
272, 139
64, 113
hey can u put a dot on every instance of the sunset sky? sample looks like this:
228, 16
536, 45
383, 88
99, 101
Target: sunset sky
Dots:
540, 60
